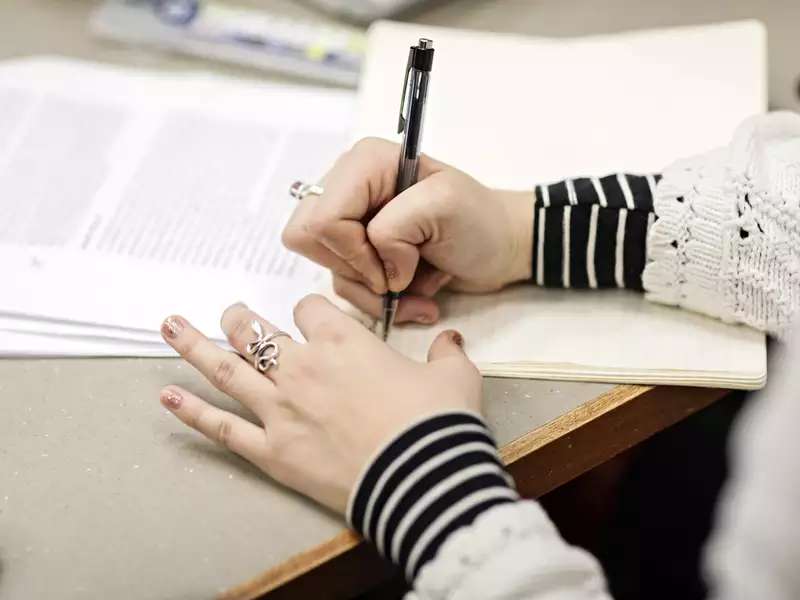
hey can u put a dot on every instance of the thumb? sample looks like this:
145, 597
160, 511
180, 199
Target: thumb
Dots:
400, 229
447, 343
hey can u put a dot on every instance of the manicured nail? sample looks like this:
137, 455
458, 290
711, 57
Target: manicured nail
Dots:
390, 269
457, 338
171, 400
172, 327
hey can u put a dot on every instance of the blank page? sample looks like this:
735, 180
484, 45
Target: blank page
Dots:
591, 335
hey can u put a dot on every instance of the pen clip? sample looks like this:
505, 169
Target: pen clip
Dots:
401, 123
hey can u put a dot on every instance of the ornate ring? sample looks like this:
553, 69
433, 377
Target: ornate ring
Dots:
263, 349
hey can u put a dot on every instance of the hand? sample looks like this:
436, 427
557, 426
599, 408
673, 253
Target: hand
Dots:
448, 229
328, 405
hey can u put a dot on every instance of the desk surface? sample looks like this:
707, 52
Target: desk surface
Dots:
104, 494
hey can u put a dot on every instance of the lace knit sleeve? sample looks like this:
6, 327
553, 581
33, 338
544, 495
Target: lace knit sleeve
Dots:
727, 239
591, 232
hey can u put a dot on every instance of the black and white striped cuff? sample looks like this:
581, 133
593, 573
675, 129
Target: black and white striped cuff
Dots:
433, 478
620, 190
591, 232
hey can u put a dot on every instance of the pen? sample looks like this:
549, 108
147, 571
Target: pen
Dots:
412, 112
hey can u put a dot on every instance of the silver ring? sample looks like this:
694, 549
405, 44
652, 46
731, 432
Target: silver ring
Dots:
263, 349
299, 190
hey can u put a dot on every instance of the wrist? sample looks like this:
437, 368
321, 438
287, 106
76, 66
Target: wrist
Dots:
518, 208
435, 477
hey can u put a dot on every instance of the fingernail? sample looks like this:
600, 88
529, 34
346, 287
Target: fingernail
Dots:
239, 305
423, 318
172, 327
171, 400
457, 338
390, 269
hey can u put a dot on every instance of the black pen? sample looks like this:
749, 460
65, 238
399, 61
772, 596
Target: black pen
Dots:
412, 112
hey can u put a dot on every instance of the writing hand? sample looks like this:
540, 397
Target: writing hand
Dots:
446, 230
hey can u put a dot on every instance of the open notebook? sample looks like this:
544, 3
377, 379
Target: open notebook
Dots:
516, 111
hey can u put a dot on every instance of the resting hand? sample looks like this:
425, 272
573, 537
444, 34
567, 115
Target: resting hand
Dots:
448, 229
328, 405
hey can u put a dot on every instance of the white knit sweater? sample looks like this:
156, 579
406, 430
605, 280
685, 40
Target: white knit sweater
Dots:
727, 244
727, 239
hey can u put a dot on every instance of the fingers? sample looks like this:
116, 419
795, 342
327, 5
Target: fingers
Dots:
231, 431
237, 324
412, 308
331, 225
318, 319
428, 280
296, 237
404, 225
348, 240
447, 344
225, 370
329, 229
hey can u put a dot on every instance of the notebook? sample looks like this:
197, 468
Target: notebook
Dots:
516, 111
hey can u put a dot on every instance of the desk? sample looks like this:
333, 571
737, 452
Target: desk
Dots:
104, 494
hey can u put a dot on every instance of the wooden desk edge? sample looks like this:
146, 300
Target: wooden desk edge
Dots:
540, 461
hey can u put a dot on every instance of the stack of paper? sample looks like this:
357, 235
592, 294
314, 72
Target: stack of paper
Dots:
126, 196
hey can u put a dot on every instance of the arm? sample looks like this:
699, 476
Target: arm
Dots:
399, 448
448, 230
719, 235
437, 502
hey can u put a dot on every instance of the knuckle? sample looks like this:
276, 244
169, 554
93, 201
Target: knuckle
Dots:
446, 189
318, 227
366, 145
189, 349
224, 373
185, 349
377, 233
223, 434
372, 153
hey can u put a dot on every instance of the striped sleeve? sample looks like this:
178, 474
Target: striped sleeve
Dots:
432, 479
591, 232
